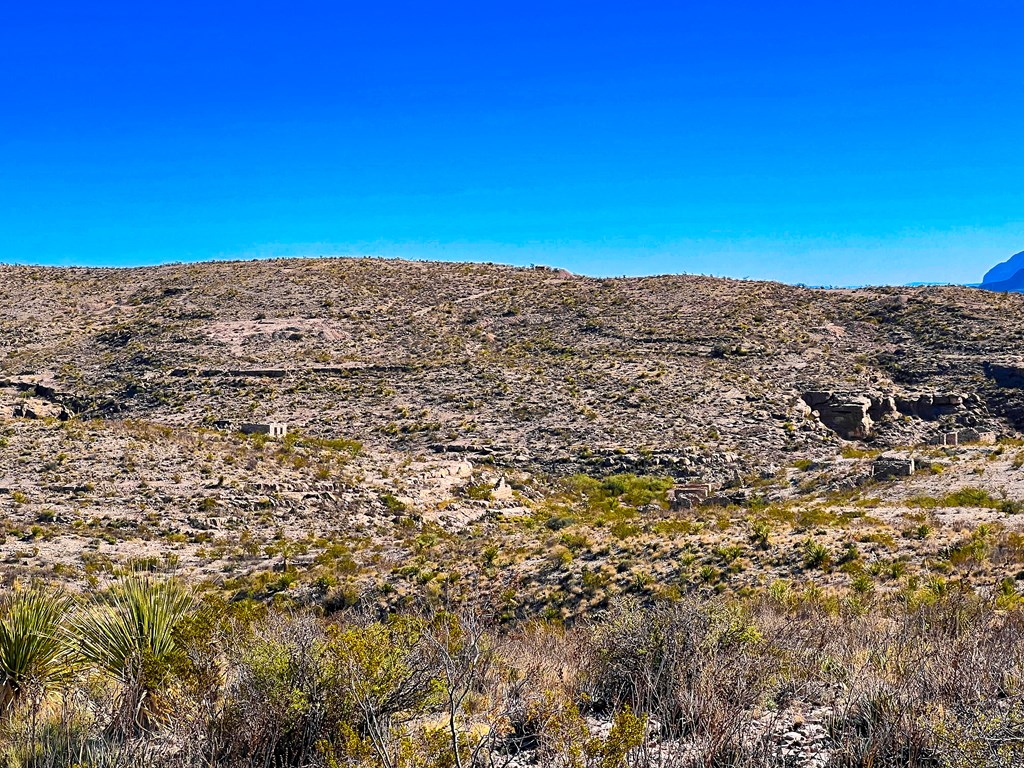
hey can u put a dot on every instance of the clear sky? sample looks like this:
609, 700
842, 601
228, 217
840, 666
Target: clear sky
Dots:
818, 142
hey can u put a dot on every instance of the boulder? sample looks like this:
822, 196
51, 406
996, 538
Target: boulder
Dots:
847, 416
814, 399
800, 409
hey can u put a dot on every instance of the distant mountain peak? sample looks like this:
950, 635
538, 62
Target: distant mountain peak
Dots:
1006, 271
1013, 284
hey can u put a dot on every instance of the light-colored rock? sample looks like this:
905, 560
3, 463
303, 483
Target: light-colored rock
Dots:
502, 491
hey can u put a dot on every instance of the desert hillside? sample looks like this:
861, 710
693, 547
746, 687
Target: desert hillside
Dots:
409, 381
531, 367
645, 521
472, 400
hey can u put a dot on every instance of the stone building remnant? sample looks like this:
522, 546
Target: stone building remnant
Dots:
688, 495
888, 466
271, 429
963, 437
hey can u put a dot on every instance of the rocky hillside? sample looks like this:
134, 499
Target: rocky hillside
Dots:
517, 431
531, 367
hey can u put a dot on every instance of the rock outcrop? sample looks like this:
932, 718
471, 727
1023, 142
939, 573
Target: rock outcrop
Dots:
1009, 375
35, 408
848, 415
853, 415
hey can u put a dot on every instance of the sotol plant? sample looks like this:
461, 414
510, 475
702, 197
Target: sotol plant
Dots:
33, 654
131, 637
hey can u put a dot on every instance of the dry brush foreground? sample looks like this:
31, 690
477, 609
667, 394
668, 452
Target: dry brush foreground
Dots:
148, 675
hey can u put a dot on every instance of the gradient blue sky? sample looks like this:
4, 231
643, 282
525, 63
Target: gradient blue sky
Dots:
818, 142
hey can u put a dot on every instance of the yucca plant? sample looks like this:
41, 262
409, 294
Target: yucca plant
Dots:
33, 653
131, 637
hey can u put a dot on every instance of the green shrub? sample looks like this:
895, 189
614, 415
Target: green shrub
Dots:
760, 533
968, 496
815, 554
624, 490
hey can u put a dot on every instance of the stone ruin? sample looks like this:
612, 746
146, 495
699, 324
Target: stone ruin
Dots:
270, 429
963, 437
889, 466
688, 496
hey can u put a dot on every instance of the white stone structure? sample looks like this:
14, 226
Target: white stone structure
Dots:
272, 429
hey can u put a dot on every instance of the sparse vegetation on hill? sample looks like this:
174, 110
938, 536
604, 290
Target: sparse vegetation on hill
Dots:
517, 516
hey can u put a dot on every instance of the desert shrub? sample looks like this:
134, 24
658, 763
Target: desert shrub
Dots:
617, 491
1011, 506
558, 522
689, 668
973, 549
932, 678
815, 554
384, 672
478, 491
306, 693
983, 737
69, 734
902, 678
968, 496
760, 533
276, 706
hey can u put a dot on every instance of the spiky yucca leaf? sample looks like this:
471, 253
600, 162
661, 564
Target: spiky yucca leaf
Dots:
132, 636
33, 651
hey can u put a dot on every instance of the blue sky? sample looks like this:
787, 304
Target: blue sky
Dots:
827, 143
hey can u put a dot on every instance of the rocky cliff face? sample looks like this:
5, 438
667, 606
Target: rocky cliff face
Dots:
863, 415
